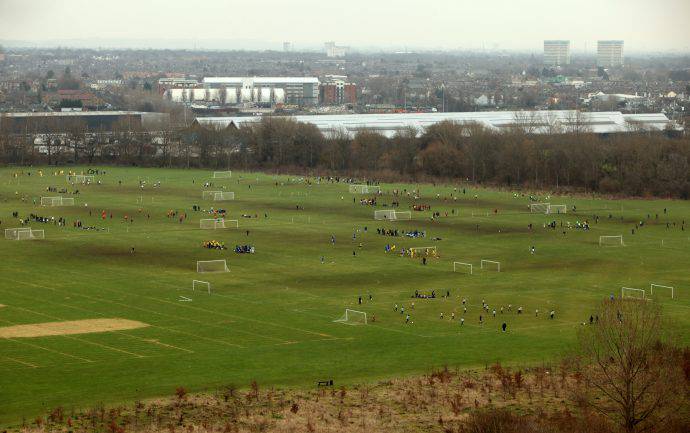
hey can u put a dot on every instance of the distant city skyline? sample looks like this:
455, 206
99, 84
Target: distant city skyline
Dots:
364, 25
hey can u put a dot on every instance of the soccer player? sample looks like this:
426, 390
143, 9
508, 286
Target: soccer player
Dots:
494, 313
481, 320
441, 316
504, 326
462, 321
552, 314
407, 319
360, 300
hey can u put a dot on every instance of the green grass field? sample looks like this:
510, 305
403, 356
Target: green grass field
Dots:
270, 318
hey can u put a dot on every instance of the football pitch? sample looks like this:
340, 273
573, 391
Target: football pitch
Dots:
115, 318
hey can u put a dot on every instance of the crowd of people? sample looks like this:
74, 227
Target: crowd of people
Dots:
214, 245
244, 249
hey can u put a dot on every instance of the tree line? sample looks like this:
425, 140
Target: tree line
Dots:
636, 164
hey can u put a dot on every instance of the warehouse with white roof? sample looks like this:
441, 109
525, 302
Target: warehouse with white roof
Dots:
537, 122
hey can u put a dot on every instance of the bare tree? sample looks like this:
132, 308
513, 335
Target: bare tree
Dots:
629, 373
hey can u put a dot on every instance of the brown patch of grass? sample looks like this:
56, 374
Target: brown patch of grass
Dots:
71, 327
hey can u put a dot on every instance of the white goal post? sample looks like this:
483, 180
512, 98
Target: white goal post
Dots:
353, 317
494, 264
222, 174
630, 292
661, 286
539, 207
206, 195
80, 178
201, 285
23, 234
557, 208
462, 265
57, 201
204, 266
387, 214
365, 189
223, 196
611, 241
215, 223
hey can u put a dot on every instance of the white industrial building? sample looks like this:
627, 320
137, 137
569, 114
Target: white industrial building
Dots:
537, 122
263, 91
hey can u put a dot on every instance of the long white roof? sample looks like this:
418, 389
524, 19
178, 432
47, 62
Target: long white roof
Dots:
539, 122
261, 80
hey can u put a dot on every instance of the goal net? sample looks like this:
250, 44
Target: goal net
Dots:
463, 267
80, 178
212, 266
217, 223
201, 285
403, 215
206, 195
632, 293
222, 174
611, 241
57, 201
23, 234
539, 207
353, 317
423, 252
490, 264
223, 196
557, 208
364, 189
662, 287
385, 215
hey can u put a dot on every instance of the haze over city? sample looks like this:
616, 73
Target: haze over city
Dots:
646, 26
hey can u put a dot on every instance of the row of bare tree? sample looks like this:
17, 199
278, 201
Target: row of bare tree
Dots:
635, 163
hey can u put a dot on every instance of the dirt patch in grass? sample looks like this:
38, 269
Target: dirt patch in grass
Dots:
71, 327
1, 305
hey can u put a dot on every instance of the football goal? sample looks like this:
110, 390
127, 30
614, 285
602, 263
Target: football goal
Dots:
632, 293
353, 317
423, 252
23, 234
557, 208
364, 189
403, 215
462, 266
208, 195
539, 207
203, 266
222, 174
661, 286
490, 264
212, 224
611, 241
223, 196
201, 286
384, 214
79, 178
57, 201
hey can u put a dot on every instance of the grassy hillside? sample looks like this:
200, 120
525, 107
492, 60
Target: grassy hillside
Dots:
270, 318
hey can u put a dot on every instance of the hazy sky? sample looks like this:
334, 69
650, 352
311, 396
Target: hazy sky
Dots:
645, 25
